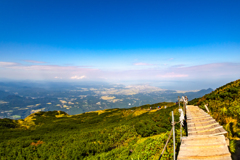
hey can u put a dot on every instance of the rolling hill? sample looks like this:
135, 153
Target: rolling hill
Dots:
134, 133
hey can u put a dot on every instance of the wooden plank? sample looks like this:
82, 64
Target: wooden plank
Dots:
202, 126
205, 128
221, 137
203, 121
218, 157
204, 150
199, 117
204, 153
210, 131
217, 144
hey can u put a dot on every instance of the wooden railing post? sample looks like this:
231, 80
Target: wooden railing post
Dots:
185, 109
180, 123
180, 131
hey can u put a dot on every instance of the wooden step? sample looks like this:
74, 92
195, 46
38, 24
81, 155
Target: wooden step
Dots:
204, 152
215, 131
218, 157
202, 121
203, 128
196, 112
199, 125
201, 145
203, 140
199, 117
212, 133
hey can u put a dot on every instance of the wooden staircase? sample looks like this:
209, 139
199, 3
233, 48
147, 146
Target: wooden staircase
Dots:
205, 139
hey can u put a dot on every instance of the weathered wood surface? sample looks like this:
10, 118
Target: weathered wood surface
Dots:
205, 139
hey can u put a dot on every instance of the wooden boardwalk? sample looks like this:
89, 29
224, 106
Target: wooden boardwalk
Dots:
205, 139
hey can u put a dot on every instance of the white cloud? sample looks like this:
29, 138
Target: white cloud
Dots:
14, 70
6, 64
32, 61
173, 75
77, 77
58, 77
142, 64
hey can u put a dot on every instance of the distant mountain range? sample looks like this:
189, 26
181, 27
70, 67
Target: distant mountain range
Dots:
192, 95
18, 100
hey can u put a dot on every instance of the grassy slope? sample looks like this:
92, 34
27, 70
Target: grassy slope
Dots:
109, 134
224, 106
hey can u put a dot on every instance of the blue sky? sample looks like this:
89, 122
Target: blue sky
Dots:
163, 43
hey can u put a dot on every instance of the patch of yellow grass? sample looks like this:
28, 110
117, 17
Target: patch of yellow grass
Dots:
28, 121
230, 119
60, 115
139, 112
103, 111
141, 140
127, 113
100, 112
154, 110
26, 124
134, 113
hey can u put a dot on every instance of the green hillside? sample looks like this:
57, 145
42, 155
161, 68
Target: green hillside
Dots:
224, 106
134, 133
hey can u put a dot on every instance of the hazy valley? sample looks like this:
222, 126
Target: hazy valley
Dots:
18, 99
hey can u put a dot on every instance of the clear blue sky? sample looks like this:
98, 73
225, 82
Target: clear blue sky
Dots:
165, 43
